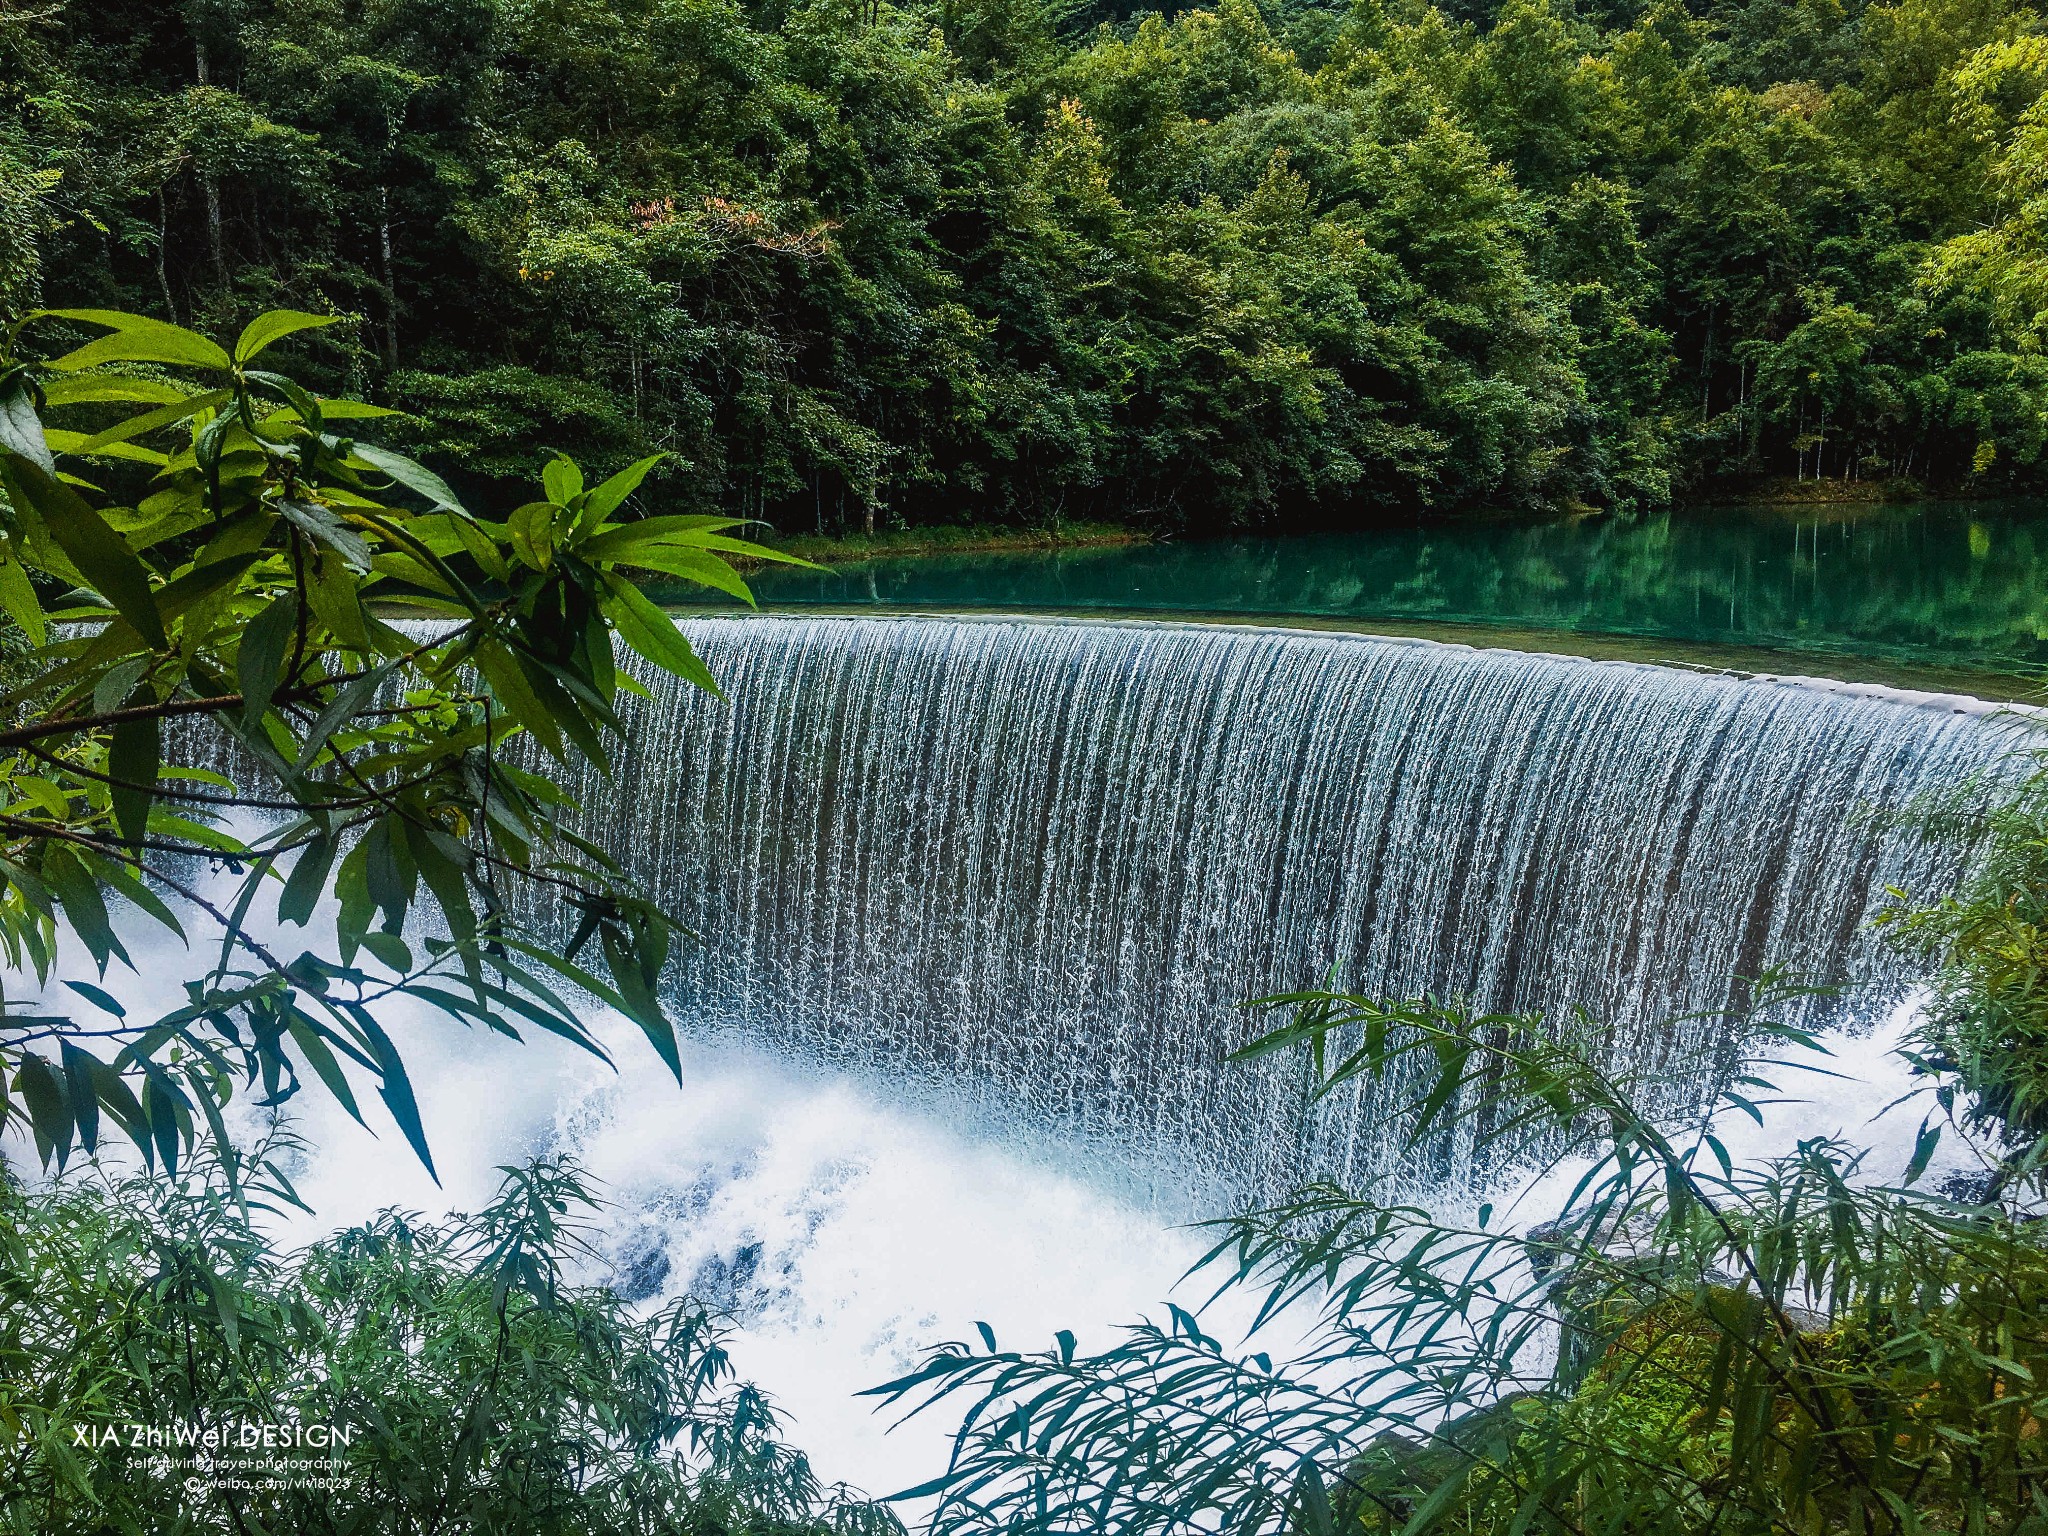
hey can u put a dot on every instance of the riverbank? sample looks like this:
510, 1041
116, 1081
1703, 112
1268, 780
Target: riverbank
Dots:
955, 539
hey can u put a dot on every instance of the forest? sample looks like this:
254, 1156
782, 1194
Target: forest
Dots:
858, 264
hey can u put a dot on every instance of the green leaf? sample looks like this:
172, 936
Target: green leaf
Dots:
99, 997
327, 526
259, 663
606, 499
353, 410
136, 339
49, 1111
18, 599
268, 328
339, 711
153, 421
651, 632
395, 1087
133, 756
302, 891
306, 1035
106, 388
61, 441
335, 596
83, 1093
633, 974
21, 429
563, 480
414, 476
84, 907
98, 552
1923, 1151
690, 564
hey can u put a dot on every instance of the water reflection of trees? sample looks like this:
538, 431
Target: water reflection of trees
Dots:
1952, 582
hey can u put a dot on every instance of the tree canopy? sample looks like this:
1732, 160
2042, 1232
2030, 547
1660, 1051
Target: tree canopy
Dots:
1005, 259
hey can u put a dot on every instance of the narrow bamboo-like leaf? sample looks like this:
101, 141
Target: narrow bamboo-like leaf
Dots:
83, 1094
306, 1035
308, 881
395, 1088
49, 1109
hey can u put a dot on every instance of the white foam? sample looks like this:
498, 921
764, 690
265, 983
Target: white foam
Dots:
849, 1224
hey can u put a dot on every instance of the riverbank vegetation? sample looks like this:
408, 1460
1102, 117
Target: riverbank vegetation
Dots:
431, 1375
882, 264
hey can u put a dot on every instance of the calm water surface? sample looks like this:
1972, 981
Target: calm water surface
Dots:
1951, 586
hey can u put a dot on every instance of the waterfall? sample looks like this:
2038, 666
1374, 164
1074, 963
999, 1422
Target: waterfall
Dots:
1047, 860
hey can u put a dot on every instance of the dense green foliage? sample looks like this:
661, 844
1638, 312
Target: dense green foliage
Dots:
478, 1385
991, 258
229, 611
1985, 1032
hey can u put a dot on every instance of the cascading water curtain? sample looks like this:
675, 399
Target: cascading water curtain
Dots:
1049, 859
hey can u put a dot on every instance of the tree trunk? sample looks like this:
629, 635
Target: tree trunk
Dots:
163, 238
390, 285
209, 188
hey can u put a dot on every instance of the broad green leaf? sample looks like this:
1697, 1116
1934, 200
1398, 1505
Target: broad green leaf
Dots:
562, 479
18, 599
137, 339
21, 429
650, 631
340, 710
692, 565
96, 551
153, 421
133, 757
108, 388
329, 528
62, 441
259, 663
274, 326
606, 499
411, 474
508, 683
335, 595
